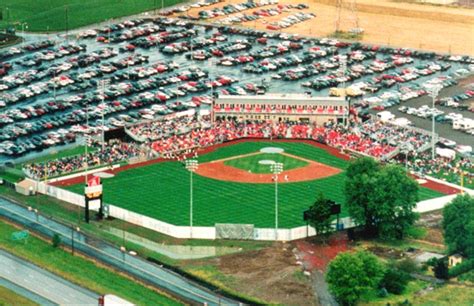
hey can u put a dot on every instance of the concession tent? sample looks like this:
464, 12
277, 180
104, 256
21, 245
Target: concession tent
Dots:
446, 153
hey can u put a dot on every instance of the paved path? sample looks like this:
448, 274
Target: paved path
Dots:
321, 288
43, 283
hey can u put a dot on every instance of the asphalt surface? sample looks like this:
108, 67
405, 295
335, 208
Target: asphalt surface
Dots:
445, 130
107, 254
43, 283
156, 56
25, 292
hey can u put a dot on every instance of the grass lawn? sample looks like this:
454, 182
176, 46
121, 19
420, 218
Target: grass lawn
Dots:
8, 297
252, 162
413, 286
79, 270
161, 191
67, 213
445, 295
52, 15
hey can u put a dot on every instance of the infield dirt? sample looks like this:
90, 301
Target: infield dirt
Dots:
219, 171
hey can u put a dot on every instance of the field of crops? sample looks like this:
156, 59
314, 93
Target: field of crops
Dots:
161, 191
54, 15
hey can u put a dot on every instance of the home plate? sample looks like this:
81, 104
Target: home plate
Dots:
266, 162
104, 175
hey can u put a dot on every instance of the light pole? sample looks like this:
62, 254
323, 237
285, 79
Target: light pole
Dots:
342, 73
276, 169
24, 26
102, 84
191, 166
406, 149
433, 94
72, 237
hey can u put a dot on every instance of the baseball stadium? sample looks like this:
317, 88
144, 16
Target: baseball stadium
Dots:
234, 184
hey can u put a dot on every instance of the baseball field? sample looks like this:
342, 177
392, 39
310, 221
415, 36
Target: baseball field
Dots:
162, 190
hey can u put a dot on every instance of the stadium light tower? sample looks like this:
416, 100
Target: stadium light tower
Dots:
342, 73
433, 93
276, 169
101, 85
191, 166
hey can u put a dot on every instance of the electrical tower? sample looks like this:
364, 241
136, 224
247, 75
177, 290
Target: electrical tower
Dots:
353, 17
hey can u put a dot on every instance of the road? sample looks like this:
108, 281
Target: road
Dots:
43, 283
108, 254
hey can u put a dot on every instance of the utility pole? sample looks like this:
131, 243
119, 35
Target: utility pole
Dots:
276, 169
191, 166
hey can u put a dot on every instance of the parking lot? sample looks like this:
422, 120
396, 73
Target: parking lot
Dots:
445, 130
158, 67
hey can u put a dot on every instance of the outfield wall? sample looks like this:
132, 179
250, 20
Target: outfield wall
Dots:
209, 232
183, 232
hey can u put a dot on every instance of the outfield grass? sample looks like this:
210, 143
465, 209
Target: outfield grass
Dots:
161, 191
251, 163
9, 297
51, 15
79, 270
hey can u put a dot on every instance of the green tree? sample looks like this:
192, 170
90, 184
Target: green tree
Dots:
319, 216
350, 275
359, 182
381, 198
440, 269
395, 280
394, 199
458, 225
56, 240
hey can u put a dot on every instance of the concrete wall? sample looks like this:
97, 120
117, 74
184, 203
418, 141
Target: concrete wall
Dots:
209, 232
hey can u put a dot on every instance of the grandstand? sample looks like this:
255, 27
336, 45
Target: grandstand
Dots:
281, 107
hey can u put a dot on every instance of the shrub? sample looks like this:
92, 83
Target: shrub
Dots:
406, 265
466, 266
56, 240
441, 269
395, 280
467, 277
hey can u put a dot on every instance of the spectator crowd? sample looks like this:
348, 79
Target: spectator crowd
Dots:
114, 152
176, 137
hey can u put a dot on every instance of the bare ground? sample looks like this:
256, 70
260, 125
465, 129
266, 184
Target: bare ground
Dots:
428, 27
269, 274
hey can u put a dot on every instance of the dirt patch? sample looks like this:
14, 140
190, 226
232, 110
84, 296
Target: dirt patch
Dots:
436, 28
270, 274
316, 255
219, 171
388, 253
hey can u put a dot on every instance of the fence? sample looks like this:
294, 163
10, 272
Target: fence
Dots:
183, 232
209, 232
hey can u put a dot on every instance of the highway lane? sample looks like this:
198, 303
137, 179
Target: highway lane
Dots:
43, 283
137, 267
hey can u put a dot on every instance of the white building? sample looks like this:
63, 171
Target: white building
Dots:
281, 107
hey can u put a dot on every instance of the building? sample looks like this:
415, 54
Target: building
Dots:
454, 260
281, 107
